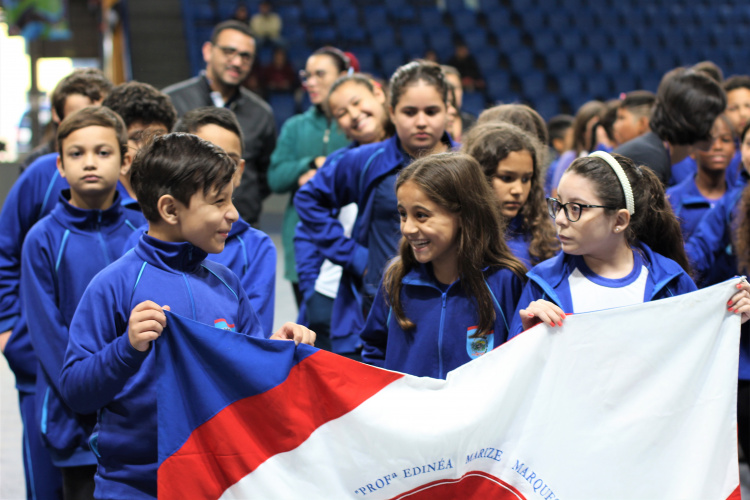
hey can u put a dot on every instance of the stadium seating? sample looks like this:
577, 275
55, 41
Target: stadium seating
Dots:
584, 49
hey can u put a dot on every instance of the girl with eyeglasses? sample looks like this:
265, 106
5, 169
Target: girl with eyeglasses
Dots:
621, 245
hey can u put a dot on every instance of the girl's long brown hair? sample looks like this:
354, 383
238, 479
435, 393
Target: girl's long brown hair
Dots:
490, 143
455, 182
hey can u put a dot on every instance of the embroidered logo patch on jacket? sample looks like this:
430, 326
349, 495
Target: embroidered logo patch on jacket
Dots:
477, 346
222, 324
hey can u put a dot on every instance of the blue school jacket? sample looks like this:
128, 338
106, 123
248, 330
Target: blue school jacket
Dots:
251, 255
549, 281
309, 259
444, 318
61, 254
103, 373
518, 241
32, 197
354, 179
688, 167
709, 248
689, 205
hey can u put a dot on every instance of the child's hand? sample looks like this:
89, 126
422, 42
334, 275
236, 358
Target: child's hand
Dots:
541, 311
293, 331
740, 301
147, 320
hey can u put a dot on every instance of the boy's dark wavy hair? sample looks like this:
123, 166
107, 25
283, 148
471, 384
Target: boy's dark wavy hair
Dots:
141, 102
178, 164
687, 103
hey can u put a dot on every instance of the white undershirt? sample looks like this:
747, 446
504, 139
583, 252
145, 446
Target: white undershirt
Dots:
330, 274
591, 292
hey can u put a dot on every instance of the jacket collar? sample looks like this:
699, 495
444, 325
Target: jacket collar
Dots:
87, 219
238, 226
514, 225
551, 273
173, 257
206, 85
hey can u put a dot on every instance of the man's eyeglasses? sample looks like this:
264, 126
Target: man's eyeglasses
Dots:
230, 52
304, 75
572, 210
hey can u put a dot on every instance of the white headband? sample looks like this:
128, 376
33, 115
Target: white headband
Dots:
629, 200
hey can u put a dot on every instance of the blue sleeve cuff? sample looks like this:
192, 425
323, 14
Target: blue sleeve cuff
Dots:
358, 263
8, 323
131, 356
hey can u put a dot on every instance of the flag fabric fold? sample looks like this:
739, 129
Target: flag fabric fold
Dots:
634, 402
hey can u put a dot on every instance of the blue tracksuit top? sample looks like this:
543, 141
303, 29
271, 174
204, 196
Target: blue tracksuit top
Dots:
354, 179
518, 241
444, 318
709, 248
103, 373
689, 205
251, 255
549, 281
32, 197
61, 254
688, 167
309, 258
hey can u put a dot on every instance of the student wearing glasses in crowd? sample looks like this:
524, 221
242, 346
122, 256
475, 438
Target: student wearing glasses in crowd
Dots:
621, 245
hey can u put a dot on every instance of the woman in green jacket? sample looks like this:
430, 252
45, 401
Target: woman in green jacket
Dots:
305, 141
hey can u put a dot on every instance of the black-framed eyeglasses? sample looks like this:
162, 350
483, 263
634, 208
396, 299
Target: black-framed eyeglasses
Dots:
230, 52
572, 210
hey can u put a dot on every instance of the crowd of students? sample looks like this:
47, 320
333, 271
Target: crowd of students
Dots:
407, 249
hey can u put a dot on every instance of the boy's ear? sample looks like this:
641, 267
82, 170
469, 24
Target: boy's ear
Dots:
60, 166
379, 94
127, 162
238, 174
643, 124
168, 209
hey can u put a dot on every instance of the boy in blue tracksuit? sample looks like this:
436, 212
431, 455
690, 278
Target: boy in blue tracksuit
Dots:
32, 197
366, 176
694, 196
143, 108
184, 187
87, 221
248, 252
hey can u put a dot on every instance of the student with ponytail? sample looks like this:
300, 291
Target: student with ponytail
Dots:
621, 244
449, 295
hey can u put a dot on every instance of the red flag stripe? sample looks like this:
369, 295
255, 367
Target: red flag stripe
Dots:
240, 438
